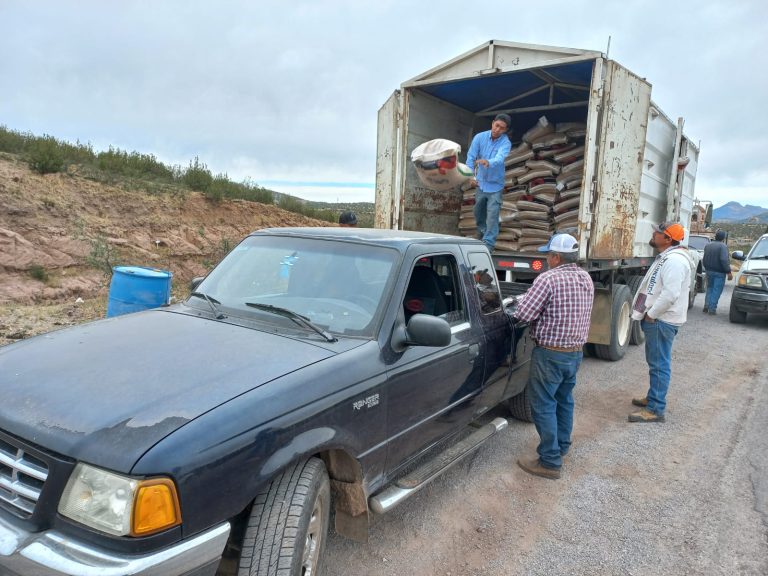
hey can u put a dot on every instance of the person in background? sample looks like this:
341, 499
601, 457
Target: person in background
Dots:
559, 307
486, 159
348, 219
661, 304
718, 266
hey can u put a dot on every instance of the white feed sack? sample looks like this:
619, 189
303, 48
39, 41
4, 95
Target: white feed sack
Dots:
437, 165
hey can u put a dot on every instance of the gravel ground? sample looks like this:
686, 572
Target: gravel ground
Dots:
689, 496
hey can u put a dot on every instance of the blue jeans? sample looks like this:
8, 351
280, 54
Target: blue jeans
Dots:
715, 284
550, 385
487, 206
658, 353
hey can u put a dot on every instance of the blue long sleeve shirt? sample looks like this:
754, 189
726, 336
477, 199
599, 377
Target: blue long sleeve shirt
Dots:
483, 147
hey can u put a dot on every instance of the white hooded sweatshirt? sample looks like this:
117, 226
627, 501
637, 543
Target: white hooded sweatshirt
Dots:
663, 293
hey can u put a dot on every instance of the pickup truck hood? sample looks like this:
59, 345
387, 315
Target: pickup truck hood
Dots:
755, 265
107, 391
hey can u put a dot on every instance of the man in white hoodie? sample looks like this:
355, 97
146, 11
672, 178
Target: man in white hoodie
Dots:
661, 305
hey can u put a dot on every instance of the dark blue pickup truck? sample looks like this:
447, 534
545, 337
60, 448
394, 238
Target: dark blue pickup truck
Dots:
312, 368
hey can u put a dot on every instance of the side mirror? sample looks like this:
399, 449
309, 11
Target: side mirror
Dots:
738, 255
426, 330
422, 330
195, 282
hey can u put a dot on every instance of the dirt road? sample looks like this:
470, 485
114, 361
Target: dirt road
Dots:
689, 496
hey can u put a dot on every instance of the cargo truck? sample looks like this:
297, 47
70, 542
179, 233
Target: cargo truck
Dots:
639, 166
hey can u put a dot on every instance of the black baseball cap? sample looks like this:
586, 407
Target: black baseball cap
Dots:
348, 217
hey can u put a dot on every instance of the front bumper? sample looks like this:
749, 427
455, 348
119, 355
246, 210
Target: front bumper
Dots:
51, 553
750, 300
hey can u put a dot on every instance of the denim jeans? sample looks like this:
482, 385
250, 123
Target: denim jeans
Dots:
550, 386
658, 353
715, 284
487, 206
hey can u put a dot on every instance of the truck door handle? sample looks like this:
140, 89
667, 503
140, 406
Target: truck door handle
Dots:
474, 351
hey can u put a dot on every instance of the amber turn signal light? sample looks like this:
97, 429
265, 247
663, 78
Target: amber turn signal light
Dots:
156, 507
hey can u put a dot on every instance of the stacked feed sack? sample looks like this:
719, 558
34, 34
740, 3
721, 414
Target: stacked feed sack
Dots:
467, 224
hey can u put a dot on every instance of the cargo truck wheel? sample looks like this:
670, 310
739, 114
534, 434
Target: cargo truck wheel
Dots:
520, 406
636, 334
287, 528
735, 315
621, 325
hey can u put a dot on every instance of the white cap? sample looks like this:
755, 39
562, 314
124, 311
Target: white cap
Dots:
564, 243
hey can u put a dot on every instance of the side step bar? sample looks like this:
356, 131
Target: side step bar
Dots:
404, 487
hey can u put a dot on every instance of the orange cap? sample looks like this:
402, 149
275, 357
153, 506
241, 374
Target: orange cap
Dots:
674, 230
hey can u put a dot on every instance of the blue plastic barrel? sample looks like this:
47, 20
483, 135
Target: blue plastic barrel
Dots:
136, 288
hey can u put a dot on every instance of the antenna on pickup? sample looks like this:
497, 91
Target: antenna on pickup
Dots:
608, 48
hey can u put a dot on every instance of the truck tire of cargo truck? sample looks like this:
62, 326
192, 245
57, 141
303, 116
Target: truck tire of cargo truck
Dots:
636, 335
288, 524
621, 325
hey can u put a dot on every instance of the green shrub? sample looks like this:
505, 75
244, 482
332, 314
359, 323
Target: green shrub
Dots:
45, 155
39, 273
197, 176
221, 187
13, 141
134, 164
102, 255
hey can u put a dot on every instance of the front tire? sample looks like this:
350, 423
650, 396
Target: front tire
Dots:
735, 315
288, 525
520, 406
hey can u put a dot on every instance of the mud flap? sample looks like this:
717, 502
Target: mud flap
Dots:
352, 516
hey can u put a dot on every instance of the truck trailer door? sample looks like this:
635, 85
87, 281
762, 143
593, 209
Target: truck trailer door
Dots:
623, 125
387, 155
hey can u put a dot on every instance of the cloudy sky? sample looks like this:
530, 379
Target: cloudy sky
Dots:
286, 92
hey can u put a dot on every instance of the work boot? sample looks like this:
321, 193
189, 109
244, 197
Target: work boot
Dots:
645, 416
642, 402
534, 466
706, 310
712, 312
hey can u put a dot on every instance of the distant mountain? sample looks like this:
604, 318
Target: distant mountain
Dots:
735, 212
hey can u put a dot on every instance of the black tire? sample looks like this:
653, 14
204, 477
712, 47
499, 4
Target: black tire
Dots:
735, 315
589, 350
636, 334
621, 325
520, 406
691, 298
288, 525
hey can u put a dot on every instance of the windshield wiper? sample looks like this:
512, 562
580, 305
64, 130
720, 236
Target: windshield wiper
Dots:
212, 302
295, 316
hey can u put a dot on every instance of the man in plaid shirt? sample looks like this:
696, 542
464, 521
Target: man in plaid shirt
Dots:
558, 305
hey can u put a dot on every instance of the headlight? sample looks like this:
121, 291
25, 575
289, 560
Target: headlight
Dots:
750, 281
120, 505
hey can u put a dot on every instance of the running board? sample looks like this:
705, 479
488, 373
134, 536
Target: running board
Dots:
404, 487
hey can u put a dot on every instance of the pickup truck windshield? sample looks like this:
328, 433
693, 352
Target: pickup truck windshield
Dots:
760, 250
338, 286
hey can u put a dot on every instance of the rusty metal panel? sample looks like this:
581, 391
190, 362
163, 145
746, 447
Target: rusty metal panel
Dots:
387, 153
626, 99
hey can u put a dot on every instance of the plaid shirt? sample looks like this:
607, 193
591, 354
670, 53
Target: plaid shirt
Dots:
558, 306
